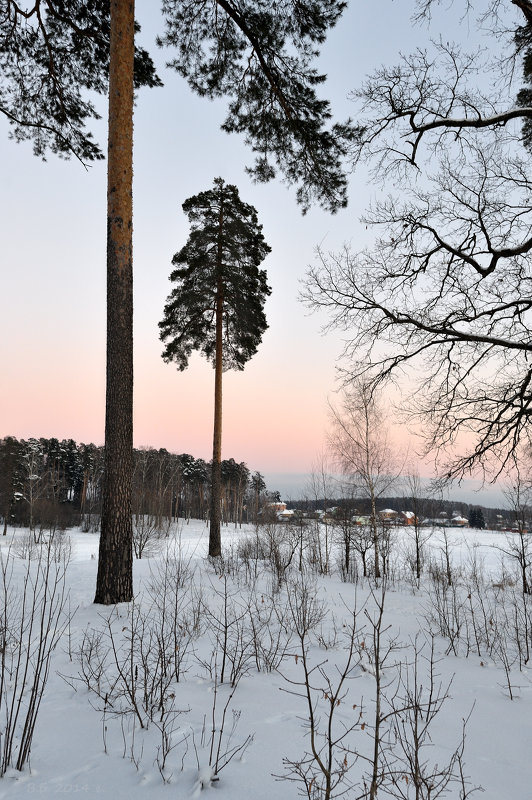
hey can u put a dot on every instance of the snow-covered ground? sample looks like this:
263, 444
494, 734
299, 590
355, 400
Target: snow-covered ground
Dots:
88, 741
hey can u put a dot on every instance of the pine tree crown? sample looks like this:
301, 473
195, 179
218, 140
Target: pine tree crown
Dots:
219, 263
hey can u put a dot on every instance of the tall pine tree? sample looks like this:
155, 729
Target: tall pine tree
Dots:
52, 55
217, 305
114, 582
260, 56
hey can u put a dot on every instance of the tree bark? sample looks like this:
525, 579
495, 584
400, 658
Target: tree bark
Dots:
115, 567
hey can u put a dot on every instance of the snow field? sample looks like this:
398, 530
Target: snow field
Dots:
88, 745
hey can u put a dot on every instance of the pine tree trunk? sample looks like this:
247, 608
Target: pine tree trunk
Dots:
215, 538
115, 567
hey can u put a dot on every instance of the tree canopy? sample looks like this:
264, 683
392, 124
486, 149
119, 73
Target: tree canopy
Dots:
220, 260
260, 54
52, 56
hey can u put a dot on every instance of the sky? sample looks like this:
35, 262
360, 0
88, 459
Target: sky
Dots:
52, 319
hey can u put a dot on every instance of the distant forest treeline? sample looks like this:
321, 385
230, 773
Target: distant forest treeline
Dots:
49, 483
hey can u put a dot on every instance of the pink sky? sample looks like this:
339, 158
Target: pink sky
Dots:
52, 324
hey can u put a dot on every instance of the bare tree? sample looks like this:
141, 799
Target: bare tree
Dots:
443, 295
321, 487
358, 440
420, 535
35, 479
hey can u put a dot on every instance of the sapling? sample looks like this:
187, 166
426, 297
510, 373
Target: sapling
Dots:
221, 744
379, 654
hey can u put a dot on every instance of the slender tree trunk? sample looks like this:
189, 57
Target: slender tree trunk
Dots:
347, 553
418, 550
375, 534
115, 567
215, 538
378, 666
83, 498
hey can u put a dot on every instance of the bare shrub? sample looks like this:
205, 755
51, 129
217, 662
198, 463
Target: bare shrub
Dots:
25, 547
411, 709
179, 608
279, 546
282, 543
129, 665
305, 611
323, 770
446, 612
253, 552
318, 541
231, 636
222, 744
148, 535
33, 619
271, 639
55, 545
